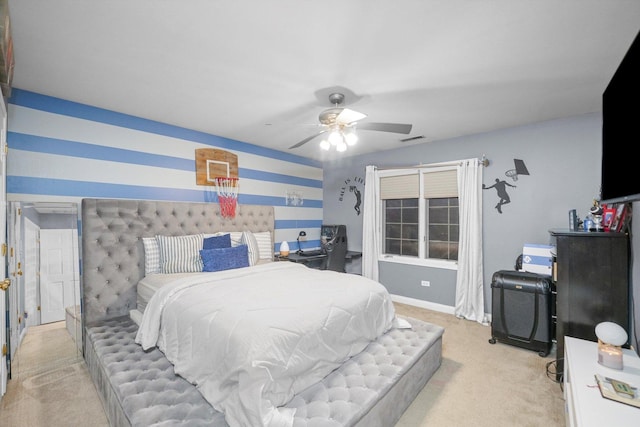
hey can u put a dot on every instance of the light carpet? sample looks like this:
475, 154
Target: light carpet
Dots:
50, 384
478, 384
481, 384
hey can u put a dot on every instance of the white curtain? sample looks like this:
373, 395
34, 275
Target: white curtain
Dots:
469, 282
370, 232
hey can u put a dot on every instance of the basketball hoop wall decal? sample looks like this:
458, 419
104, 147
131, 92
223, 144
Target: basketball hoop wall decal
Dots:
520, 169
501, 185
219, 169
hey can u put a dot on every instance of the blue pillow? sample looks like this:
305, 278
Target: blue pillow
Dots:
216, 242
225, 258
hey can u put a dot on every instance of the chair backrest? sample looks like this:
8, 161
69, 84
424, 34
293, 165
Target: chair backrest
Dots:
334, 244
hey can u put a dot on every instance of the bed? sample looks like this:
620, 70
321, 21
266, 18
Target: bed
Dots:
368, 380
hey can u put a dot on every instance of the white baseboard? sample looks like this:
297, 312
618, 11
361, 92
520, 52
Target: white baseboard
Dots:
423, 304
430, 305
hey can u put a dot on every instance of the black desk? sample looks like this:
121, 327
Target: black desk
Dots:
352, 255
315, 259
294, 257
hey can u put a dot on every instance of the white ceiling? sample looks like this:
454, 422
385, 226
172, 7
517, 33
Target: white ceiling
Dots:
261, 71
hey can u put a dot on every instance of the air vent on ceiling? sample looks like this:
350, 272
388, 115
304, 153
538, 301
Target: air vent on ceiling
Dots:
413, 138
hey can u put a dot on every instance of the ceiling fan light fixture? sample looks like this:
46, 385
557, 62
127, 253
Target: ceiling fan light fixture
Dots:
335, 137
339, 125
351, 138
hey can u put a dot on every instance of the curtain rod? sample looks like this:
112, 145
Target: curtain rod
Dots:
482, 162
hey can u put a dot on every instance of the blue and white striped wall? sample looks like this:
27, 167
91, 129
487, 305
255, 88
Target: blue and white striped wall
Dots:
65, 151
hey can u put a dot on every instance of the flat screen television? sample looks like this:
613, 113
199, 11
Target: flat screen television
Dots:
621, 131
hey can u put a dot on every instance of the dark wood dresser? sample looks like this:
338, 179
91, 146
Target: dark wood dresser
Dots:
592, 284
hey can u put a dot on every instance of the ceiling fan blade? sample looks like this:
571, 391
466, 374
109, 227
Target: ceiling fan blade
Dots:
387, 127
304, 141
349, 116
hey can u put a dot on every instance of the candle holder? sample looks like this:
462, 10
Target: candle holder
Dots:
611, 337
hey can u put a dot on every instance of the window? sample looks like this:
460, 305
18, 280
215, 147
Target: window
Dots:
420, 213
442, 228
401, 235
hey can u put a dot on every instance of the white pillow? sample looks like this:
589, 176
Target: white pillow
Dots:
151, 255
264, 245
247, 238
180, 254
218, 234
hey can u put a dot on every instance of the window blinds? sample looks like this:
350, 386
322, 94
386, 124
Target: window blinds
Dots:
400, 187
440, 184
436, 185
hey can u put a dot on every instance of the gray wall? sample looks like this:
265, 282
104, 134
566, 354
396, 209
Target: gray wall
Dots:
563, 159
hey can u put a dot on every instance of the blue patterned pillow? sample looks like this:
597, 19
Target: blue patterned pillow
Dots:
224, 258
217, 242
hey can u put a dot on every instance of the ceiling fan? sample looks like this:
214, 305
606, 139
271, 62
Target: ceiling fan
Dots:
340, 124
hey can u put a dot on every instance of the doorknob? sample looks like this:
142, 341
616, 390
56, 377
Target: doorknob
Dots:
4, 285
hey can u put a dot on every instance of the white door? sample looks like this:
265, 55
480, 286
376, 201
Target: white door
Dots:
58, 273
14, 264
4, 371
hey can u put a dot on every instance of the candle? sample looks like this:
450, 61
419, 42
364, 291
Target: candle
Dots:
609, 355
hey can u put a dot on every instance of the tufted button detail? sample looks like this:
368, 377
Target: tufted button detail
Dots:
113, 257
152, 393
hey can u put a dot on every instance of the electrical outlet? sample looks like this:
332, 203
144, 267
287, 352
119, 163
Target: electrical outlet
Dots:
425, 283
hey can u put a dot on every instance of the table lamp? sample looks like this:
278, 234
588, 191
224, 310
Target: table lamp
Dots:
284, 248
611, 337
301, 234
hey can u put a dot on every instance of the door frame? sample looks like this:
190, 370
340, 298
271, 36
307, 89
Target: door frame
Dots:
70, 290
5, 359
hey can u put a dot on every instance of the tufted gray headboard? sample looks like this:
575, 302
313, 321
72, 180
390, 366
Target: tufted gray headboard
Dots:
112, 251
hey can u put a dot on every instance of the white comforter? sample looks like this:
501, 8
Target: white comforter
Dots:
251, 338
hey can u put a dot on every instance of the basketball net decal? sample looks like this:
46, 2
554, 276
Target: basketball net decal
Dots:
227, 189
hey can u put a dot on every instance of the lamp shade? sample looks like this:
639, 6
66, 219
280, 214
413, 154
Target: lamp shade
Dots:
284, 248
610, 337
611, 333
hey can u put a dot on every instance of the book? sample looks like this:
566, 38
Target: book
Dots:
615, 222
625, 220
619, 391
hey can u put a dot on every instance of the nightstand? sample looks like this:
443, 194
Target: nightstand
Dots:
584, 405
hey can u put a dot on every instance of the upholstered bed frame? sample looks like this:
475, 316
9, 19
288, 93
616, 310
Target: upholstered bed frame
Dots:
140, 388
112, 251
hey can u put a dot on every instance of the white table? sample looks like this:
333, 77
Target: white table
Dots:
584, 405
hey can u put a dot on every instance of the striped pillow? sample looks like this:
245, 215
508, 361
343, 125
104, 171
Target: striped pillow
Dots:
253, 251
264, 245
151, 255
180, 254
236, 238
